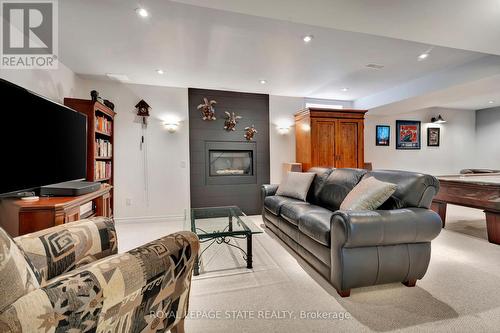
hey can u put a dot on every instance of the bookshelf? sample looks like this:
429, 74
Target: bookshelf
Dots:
100, 139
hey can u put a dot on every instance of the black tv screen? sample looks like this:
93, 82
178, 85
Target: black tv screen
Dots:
42, 142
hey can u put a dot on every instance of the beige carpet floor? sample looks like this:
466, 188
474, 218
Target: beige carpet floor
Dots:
460, 292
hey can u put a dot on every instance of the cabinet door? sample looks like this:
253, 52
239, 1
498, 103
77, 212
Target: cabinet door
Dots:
323, 143
72, 215
32, 221
349, 144
103, 205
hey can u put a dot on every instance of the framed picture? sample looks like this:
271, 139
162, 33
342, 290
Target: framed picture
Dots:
407, 134
383, 135
433, 136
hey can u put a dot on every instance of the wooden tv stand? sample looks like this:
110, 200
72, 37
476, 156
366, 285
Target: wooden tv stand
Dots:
19, 217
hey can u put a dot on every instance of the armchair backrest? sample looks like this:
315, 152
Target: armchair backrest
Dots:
17, 277
60, 249
142, 290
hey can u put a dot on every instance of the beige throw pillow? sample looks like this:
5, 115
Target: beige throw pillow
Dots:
296, 185
369, 194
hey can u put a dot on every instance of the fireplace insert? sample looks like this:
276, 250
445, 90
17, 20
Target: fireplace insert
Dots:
230, 163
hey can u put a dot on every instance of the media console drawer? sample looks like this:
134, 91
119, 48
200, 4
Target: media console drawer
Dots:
18, 217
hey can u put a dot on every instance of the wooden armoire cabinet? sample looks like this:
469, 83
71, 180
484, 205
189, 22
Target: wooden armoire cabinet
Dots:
330, 138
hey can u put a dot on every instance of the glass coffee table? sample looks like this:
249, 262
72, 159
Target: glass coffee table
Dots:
221, 225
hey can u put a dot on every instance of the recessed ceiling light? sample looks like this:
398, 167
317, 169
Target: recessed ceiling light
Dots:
263, 81
491, 102
423, 56
160, 71
142, 12
344, 89
118, 77
308, 38
374, 66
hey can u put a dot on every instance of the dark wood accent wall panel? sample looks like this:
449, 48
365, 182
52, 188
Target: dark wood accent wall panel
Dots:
254, 108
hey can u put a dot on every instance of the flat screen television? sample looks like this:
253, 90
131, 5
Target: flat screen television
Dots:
42, 142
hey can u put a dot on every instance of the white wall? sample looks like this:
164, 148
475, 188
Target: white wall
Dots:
164, 194
456, 151
281, 114
158, 189
167, 194
488, 138
282, 146
54, 84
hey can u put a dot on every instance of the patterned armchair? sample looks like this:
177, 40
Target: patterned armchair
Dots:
70, 279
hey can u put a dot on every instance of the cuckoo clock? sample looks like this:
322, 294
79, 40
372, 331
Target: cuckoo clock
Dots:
143, 110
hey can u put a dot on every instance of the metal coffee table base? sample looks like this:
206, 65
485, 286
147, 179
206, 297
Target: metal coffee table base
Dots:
247, 255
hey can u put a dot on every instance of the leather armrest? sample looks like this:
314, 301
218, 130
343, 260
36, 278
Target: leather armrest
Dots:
269, 190
384, 227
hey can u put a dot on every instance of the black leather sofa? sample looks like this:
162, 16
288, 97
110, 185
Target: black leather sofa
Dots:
358, 248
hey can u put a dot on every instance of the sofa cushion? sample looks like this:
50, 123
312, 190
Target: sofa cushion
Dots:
369, 194
296, 185
316, 225
274, 203
317, 183
337, 186
17, 277
293, 211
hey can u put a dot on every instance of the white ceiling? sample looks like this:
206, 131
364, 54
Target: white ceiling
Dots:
464, 24
470, 96
210, 48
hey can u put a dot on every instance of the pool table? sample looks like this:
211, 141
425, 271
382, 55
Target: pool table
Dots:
480, 191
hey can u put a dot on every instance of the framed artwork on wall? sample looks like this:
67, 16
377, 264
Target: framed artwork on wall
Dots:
407, 134
382, 135
433, 136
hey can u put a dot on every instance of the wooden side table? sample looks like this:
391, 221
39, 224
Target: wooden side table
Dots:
19, 217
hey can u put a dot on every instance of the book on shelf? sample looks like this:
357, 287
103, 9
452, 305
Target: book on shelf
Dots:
87, 209
102, 170
103, 124
103, 148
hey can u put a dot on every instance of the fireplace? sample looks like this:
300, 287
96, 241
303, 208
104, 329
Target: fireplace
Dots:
230, 163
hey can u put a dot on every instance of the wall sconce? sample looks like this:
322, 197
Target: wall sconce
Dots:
283, 125
438, 120
172, 127
283, 130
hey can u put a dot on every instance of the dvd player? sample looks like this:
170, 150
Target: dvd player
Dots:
69, 189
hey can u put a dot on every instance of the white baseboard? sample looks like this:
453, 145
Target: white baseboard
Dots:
163, 218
